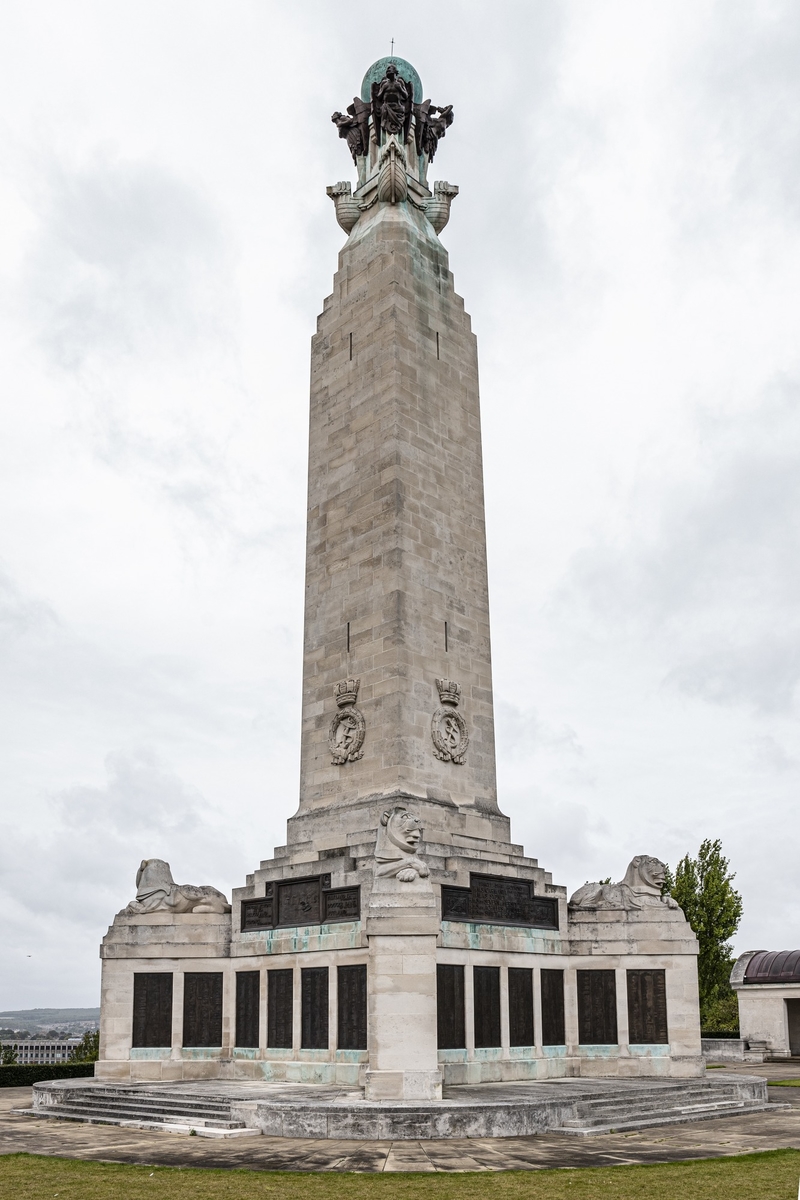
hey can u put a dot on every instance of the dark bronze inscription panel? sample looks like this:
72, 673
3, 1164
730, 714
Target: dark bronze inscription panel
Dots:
257, 914
152, 1008
486, 1005
520, 1006
298, 902
553, 1016
314, 1008
202, 1008
301, 902
280, 1007
352, 1007
499, 901
450, 1011
647, 1008
248, 995
597, 1008
341, 904
544, 912
455, 903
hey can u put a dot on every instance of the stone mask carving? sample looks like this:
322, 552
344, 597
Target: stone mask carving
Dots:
641, 887
399, 835
157, 891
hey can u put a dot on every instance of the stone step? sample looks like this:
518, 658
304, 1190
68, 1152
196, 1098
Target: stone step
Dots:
166, 1103
572, 1109
679, 1116
594, 1114
699, 1096
62, 1112
155, 1110
106, 1112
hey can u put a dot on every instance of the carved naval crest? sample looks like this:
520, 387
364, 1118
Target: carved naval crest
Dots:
346, 735
448, 727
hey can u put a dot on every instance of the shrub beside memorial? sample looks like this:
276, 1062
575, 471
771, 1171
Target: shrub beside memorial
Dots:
23, 1076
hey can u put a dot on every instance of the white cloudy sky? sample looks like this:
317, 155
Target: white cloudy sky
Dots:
627, 239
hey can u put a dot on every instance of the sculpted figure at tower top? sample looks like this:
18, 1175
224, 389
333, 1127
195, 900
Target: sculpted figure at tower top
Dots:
354, 126
392, 135
391, 104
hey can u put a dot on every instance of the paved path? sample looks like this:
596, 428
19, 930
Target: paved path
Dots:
701, 1139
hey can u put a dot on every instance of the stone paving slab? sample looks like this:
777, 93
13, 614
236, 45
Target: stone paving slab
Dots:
701, 1139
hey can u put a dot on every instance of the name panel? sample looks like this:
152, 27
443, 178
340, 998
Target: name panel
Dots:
497, 900
292, 902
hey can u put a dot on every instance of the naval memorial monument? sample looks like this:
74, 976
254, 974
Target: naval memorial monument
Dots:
399, 942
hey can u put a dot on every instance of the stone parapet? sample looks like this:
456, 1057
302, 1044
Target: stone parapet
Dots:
168, 935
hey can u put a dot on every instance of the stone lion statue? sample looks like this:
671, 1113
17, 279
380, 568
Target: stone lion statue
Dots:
641, 887
399, 836
157, 891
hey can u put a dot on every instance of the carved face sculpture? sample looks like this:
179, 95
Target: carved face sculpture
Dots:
646, 874
403, 829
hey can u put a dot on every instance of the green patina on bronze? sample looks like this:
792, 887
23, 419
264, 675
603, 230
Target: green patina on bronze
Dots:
377, 71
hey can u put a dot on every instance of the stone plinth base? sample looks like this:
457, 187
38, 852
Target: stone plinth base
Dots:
403, 1085
570, 1106
733, 1050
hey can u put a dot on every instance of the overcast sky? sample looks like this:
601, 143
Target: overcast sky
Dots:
627, 240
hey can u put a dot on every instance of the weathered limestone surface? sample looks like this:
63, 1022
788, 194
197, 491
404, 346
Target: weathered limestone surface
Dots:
396, 539
632, 939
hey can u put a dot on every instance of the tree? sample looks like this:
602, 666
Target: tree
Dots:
703, 887
8, 1056
88, 1049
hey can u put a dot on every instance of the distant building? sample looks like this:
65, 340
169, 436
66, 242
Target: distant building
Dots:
35, 1051
767, 983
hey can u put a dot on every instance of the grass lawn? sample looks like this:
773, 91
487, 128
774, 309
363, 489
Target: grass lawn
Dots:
772, 1175
784, 1082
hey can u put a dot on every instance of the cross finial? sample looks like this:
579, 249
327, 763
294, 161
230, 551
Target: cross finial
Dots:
392, 53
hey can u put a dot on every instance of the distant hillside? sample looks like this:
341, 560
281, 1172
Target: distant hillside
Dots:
36, 1018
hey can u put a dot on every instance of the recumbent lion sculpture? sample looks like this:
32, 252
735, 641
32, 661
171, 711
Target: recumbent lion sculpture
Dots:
399, 835
157, 891
641, 886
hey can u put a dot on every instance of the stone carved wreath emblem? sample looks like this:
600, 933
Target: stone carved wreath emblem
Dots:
346, 734
448, 727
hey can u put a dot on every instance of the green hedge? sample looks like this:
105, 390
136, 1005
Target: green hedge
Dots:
18, 1075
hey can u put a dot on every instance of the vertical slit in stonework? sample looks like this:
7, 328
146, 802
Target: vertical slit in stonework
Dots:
348, 623
351, 347
445, 624
437, 345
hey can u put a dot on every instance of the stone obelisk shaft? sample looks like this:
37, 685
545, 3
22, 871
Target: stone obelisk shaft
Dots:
396, 585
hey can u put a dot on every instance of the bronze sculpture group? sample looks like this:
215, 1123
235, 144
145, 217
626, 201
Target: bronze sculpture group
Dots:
391, 108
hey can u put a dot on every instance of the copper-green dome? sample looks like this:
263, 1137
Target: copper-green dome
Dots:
377, 71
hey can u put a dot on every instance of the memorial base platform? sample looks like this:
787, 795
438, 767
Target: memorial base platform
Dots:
570, 1106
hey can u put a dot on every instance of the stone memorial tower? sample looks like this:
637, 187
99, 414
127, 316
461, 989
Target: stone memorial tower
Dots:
399, 939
